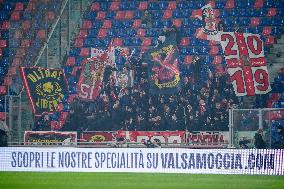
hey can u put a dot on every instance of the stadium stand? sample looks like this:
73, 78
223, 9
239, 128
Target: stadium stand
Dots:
121, 21
207, 95
24, 28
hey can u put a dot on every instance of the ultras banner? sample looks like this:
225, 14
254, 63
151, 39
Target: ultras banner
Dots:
50, 138
150, 160
164, 74
45, 88
246, 63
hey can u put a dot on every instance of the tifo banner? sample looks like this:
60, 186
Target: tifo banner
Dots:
246, 63
93, 137
207, 138
90, 81
91, 78
45, 87
171, 137
124, 78
155, 160
50, 138
210, 30
163, 68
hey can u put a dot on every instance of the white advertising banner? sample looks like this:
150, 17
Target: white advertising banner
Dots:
152, 160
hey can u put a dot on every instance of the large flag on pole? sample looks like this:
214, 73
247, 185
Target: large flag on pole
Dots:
90, 81
246, 63
209, 30
45, 88
164, 74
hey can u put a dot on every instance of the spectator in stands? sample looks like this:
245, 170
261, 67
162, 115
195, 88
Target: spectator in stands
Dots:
3, 134
146, 20
258, 140
42, 123
278, 139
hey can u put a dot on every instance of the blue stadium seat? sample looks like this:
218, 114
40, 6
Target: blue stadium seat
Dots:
97, 24
104, 6
277, 21
163, 5
5, 34
153, 6
127, 41
156, 14
275, 31
204, 50
199, 4
265, 21
158, 24
4, 15
220, 4
244, 4
110, 15
90, 15
112, 33
120, 60
137, 41
197, 23
7, 7
127, 24
138, 14
74, 51
78, 60
14, 43
93, 33
246, 12
131, 32
116, 24
184, 50
268, 3
88, 42
182, 5
186, 13
68, 70
105, 42
186, 23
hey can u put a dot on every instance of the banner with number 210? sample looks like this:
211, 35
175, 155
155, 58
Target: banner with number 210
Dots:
246, 63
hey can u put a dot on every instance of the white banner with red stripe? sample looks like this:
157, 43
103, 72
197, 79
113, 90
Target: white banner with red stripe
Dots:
246, 63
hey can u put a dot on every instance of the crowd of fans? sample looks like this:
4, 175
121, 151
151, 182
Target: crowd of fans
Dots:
201, 105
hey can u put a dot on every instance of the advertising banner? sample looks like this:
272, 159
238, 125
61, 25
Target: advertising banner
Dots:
93, 137
207, 138
50, 138
150, 160
171, 137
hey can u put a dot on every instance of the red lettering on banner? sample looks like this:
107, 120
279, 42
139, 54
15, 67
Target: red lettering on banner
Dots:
230, 44
206, 138
259, 44
248, 80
